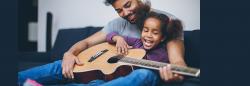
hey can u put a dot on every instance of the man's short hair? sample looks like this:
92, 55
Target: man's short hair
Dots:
109, 2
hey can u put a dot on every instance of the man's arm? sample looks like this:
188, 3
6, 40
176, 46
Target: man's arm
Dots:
175, 50
69, 58
97, 38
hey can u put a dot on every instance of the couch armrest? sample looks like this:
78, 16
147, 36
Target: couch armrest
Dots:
34, 56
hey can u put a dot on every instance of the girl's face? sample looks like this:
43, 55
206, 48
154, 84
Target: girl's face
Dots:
151, 34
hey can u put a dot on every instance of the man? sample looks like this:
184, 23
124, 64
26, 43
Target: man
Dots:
131, 13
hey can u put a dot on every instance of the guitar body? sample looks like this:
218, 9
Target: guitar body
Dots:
102, 67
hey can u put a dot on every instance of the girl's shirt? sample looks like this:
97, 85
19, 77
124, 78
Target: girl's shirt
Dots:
158, 53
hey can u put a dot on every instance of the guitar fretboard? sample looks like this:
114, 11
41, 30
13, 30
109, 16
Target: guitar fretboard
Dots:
156, 65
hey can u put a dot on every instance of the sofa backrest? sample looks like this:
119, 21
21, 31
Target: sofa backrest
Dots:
68, 37
192, 48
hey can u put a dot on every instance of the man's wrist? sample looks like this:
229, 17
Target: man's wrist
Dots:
68, 53
180, 63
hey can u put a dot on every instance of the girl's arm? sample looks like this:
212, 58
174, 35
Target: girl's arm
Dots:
122, 43
113, 36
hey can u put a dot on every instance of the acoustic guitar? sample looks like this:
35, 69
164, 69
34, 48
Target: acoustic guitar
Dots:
102, 62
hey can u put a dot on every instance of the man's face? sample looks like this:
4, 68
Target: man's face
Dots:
127, 9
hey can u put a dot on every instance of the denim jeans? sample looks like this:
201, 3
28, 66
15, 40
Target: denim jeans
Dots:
52, 74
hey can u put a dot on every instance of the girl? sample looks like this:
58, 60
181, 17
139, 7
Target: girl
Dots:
154, 36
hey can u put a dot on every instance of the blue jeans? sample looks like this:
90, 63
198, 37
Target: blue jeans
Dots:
52, 74
139, 77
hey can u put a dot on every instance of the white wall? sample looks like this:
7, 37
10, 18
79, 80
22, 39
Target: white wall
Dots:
186, 10
82, 13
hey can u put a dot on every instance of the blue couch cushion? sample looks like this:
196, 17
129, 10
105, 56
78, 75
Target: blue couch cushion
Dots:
68, 37
192, 48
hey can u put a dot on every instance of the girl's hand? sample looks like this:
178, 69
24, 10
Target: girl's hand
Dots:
121, 45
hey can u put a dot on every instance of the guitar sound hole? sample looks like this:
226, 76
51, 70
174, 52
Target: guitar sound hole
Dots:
113, 60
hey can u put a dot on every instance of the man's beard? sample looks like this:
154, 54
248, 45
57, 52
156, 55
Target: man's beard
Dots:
140, 15
133, 21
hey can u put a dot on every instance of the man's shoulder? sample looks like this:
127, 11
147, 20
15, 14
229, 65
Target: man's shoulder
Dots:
119, 20
116, 25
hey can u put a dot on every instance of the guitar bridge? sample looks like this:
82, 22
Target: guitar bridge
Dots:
97, 55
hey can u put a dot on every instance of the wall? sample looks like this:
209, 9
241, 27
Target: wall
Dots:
82, 13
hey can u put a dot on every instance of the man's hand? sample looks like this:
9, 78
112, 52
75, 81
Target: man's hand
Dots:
121, 45
175, 50
168, 76
68, 63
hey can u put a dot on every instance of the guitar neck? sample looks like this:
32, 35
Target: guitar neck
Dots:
156, 65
